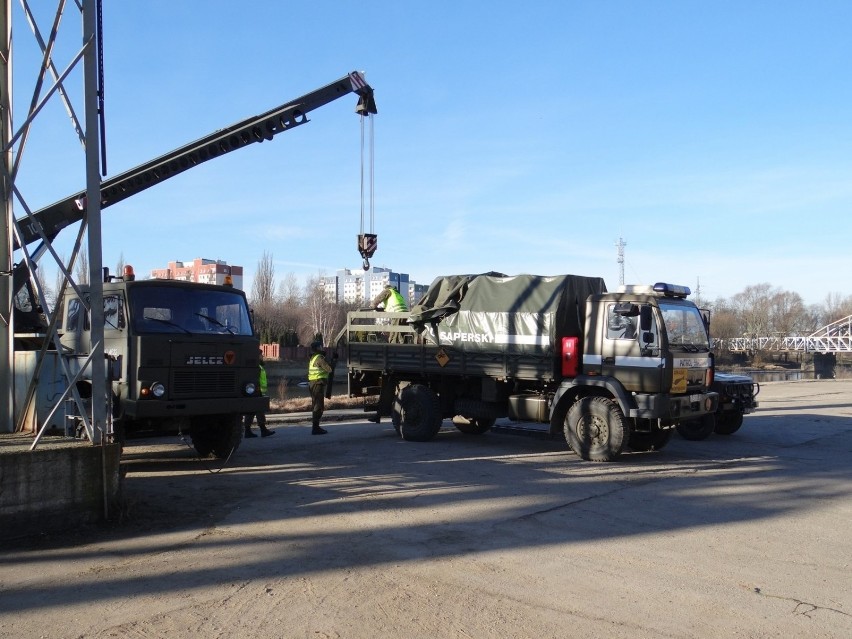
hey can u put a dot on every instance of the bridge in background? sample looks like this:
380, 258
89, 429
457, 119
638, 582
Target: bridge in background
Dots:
834, 338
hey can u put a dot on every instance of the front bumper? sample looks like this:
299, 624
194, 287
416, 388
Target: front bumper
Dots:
163, 408
674, 408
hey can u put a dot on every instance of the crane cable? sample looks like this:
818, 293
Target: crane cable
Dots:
367, 242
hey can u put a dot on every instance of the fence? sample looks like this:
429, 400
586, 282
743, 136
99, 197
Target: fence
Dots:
289, 353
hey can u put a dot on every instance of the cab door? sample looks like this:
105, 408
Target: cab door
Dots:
630, 347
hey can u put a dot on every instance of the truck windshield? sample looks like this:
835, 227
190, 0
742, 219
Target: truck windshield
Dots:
684, 327
170, 309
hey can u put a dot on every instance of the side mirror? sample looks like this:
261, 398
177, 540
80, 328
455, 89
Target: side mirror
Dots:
645, 318
705, 316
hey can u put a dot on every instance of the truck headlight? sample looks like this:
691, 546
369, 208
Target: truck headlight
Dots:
158, 389
250, 389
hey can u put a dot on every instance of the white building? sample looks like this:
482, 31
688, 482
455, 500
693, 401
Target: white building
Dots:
356, 286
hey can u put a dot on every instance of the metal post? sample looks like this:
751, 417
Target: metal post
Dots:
93, 197
7, 352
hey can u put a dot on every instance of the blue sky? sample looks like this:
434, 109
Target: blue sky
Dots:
715, 138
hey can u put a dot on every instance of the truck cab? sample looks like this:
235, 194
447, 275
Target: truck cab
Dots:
652, 340
186, 357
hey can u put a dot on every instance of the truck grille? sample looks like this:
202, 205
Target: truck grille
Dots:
204, 383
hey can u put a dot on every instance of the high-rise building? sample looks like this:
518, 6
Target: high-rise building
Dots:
201, 270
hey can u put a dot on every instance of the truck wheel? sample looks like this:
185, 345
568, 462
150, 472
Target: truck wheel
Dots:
419, 413
119, 436
396, 413
472, 426
202, 440
655, 440
728, 423
476, 409
216, 434
596, 429
697, 429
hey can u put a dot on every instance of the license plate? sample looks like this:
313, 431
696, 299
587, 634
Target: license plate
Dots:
695, 398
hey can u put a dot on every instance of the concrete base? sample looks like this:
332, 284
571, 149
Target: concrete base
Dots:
61, 484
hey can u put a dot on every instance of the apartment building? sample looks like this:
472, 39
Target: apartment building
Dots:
201, 270
356, 286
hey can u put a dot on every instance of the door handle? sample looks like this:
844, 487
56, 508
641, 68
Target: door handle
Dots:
609, 360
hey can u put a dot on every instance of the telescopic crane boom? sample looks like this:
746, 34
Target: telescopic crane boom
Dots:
46, 223
265, 126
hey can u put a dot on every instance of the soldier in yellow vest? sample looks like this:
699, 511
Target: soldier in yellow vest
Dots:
319, 371
262, 388
392, 301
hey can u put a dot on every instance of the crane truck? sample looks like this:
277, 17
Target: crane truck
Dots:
184, 354
609, 371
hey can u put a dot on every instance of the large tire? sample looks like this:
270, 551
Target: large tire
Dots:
728, 423
419, 413
473, 426
695, 430
219, 435
396, 413
655, 440
477, 409
596, 429
119, 433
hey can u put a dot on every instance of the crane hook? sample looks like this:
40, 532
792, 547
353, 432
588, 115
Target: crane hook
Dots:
367, 245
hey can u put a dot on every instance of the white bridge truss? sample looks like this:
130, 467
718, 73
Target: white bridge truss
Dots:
834, 338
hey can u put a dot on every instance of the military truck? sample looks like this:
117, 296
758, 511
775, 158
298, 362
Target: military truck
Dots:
186, 357
183, 354
609, 371
737, 398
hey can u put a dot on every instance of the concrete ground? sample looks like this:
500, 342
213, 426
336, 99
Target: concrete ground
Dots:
359, 534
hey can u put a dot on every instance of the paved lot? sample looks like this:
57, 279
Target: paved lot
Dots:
358, 534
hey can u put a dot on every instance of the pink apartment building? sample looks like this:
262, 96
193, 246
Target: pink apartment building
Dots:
200, 270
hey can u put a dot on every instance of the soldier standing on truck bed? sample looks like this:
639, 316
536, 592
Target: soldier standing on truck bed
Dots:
318, 372
393, 302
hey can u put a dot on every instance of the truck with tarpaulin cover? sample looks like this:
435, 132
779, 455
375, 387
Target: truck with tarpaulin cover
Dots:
608, 370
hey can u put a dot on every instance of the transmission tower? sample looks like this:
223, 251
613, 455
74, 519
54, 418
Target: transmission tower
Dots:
620, 246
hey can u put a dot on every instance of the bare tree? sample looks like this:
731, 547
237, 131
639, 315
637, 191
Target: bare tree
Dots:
787, 314
752, 306
263, 299
81, 268
322, 316
263, 286
724, 322
836, 307
290, 309
289, 291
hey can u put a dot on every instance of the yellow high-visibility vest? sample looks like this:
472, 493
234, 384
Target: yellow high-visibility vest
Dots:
315, 371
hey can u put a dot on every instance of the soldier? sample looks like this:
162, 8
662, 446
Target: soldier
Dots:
318, 372
393, 302
261, 416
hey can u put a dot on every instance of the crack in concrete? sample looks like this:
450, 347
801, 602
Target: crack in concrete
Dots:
803, 608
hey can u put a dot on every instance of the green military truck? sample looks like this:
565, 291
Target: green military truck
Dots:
610, 371
186, 358
183, 353
737, 398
